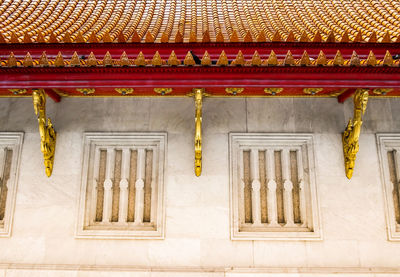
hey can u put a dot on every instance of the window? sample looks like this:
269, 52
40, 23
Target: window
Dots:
273, 193
10, 151
389, 153
122, 186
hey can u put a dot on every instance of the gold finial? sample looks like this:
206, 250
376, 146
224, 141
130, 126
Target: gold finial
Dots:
173, 60
107, 38
107, 60
289, 60
140, 60
305, 59
149, 37
178, 37
124, 60
121, 37
373, 38
165, 37
59, 61
2, 38
388, 59
12, 61
239, 60
86, 91
93, 38
198, 98
352, 133
234, 91
317, 37
273, 91
75, 61
261, 37
206, 36
14, 38
371, 60
67, 38
43, 61
27, 38
28, 62
125, 91
256, 60
277, 36
312, 91
206, 60
387, 38
304, 37
79, 38
358, 37
189, 60
321, 60
331, 37
193, 37
53, 38
234, 37
163, 91
272, 59
220, 37
40, 38
248, 37
46, 130
91, 60
223, 59
157, 61
345, 37
338, 60
290, 37
354, 60
135, 37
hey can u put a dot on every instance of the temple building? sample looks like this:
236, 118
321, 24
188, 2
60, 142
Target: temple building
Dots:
200, 138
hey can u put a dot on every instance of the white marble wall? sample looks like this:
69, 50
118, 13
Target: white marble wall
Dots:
197, 209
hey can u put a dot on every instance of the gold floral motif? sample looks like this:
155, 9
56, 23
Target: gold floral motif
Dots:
46, 130
312, 91
125, 91
382, 91
234, 91
273, 91
163, 91
17, 91
86, 91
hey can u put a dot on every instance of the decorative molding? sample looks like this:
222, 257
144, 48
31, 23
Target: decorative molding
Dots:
273, 91
86, 91
163, 91
312, 91
234, 91
10, 156
125, 91
389, 160
292, 210
120, 169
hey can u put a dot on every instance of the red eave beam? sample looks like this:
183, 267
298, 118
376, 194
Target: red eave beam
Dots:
53, 95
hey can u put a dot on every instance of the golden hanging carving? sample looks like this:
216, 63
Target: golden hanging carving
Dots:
86, 91
352, 133
234, 91
163, 91
382, 91
17, 91
312, 91
273, 91
125, 91
46, 130
198, 98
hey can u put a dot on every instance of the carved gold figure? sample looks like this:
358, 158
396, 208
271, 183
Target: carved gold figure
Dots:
352, 133
46, 130
198, 98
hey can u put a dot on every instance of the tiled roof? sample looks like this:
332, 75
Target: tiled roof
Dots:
199, 20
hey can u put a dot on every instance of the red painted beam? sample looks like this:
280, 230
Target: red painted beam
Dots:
53, 95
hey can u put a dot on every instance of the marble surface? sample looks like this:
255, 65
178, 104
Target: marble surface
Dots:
197, 209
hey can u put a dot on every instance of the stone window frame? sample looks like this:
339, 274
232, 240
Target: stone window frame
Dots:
285, 139
386, 142
104, 138
12, 140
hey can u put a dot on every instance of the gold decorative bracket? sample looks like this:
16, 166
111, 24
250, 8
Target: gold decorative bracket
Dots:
352, 133
198, 98
46, 130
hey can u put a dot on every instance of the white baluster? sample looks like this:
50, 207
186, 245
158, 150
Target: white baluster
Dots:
271, 195
302, 190
139, 185
123, 186
95, 177
255, 186
154, 200
288, 188
241, 188
108, 183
